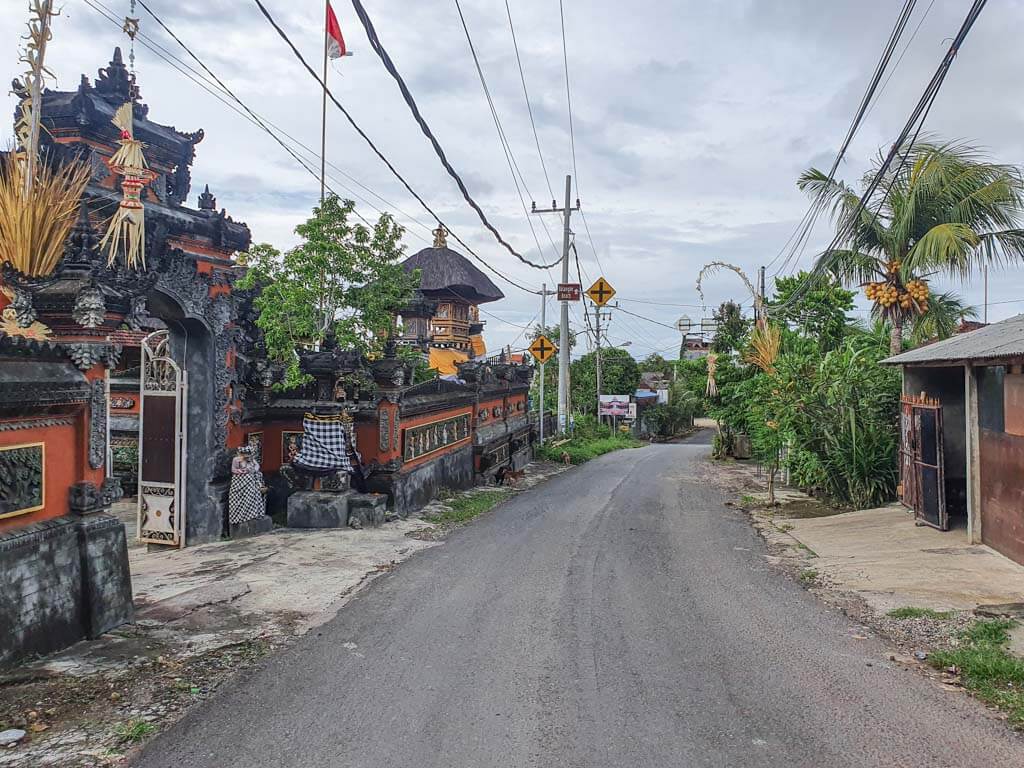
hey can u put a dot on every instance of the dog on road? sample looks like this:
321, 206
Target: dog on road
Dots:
508, 475
566, 458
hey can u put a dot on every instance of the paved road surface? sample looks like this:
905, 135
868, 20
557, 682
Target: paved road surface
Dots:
617, 617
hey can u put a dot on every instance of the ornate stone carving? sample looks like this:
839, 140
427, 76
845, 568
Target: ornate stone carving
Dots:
85, 356
21, 303
21, 479
90, 308
88, 499
384, 426
98, 425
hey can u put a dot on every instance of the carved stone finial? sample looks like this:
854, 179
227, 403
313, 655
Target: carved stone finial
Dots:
115, 82
440, 237
207, 202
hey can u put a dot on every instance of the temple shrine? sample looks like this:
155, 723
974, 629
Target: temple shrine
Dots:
141, 379
453, 332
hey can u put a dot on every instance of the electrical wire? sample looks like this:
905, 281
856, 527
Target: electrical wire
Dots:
363, 135
914, 124
506, 147
802, 233
526, 96
389, 65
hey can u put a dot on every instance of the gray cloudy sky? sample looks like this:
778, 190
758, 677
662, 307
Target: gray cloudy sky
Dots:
692, 122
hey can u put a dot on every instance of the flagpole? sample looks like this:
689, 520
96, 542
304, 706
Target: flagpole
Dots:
323, 113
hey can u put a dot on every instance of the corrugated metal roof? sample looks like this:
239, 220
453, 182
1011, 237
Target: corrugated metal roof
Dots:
1003, 339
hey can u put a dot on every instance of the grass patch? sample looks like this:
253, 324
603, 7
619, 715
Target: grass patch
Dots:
459, 509
912, 612
986, 668
133, 731
808, 576
747, 500
581, 450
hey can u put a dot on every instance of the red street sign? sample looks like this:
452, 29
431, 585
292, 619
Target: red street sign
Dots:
569, 292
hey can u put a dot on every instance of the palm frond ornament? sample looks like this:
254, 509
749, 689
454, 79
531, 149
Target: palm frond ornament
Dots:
126, 233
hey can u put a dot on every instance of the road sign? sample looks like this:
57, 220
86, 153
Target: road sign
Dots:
601, 292
542, 349
569, 291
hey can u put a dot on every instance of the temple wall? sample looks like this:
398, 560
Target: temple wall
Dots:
61, 437
62, 580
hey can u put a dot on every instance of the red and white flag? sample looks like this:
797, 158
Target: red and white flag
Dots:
335, 42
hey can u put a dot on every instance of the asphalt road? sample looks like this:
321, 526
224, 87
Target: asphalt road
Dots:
617, 616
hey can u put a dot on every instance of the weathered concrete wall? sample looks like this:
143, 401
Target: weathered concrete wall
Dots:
410, 490
62, 580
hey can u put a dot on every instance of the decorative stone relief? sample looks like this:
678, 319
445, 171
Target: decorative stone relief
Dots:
90, 308
98, 425
87, 498
22, 479
385, 429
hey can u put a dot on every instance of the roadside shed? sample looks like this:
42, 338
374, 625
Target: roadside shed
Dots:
962, 434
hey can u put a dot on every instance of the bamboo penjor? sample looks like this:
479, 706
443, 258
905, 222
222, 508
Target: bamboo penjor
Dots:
127, 230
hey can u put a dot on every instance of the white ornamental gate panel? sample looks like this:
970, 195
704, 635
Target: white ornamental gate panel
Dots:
162, 444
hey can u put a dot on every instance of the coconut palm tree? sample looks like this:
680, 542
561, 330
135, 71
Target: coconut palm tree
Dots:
945, 313
945, 209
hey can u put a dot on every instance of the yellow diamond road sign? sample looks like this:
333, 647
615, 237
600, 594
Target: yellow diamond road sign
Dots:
601, 292
542, 349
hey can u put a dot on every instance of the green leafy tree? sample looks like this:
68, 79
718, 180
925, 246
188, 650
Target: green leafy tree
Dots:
818, 313
620, 375
732, 328
657, 364
945, 313
343, 279
946, 209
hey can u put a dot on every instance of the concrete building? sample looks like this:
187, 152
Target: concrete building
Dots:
962, 434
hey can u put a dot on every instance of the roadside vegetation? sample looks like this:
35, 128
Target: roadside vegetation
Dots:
912, 612
986, 668
590, 440
461, 508
804, 390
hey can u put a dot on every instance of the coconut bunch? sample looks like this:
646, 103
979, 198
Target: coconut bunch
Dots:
910, 297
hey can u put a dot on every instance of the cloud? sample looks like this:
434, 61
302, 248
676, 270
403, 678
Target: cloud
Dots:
691, 122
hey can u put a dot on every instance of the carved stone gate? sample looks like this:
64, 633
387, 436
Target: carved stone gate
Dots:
162, 444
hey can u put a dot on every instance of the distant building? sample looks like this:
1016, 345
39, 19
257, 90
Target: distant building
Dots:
694, 348
445, 318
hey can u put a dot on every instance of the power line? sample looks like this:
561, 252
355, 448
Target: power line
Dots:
801, 234
389, 65
510, 157
377, 151
914, 123
526, 96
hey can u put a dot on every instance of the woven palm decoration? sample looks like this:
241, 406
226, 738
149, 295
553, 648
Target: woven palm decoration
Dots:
126, 233
712, 388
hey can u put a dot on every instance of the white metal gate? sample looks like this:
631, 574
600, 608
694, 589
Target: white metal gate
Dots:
162, 444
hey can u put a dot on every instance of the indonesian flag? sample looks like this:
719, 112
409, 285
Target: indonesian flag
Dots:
335, 42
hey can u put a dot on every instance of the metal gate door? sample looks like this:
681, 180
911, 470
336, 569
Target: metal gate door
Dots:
162, 445
922, 468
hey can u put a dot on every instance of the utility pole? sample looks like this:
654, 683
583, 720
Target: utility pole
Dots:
762, 314
984, 317
597, 345
563, 328
543, 329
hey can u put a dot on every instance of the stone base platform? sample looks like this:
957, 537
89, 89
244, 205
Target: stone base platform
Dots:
262, 524
367, 510
318, 509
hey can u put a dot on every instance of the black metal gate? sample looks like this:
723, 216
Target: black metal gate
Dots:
922, 469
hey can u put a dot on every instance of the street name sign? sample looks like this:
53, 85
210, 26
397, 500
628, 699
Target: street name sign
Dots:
601, 292
542, 349
569, 291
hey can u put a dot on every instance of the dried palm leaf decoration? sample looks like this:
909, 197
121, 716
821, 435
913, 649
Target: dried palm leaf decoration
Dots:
712, 388
126, 233
765, 342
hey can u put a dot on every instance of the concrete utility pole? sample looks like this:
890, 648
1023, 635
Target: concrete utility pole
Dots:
543, 330
563, 328
597, 344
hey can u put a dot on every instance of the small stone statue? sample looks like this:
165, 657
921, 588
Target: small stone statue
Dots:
246, 496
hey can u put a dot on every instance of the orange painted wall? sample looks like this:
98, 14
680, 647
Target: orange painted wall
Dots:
427, 418
63, 456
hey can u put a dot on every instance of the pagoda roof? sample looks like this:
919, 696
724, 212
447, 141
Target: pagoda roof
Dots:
444, 272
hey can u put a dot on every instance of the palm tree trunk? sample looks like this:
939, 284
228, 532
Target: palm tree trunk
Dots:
896, 336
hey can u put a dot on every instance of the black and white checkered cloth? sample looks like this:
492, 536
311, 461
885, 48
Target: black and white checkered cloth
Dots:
324, 444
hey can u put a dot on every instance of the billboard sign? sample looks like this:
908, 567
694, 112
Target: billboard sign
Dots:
613, 405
